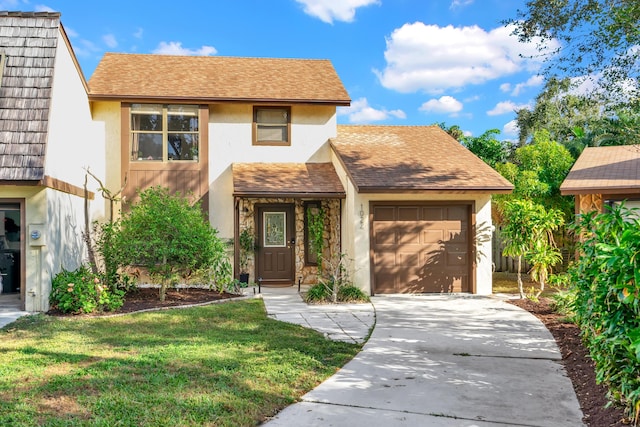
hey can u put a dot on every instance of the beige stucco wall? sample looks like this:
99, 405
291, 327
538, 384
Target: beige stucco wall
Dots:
356, 230
75, 141
106, 115
230, 141
62, 218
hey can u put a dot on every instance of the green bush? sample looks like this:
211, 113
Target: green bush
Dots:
606, 280
317, 293
320, 293
168, 236
351, 293
81, 291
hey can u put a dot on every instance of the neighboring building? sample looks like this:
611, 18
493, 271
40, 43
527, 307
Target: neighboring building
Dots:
256, 141
47, 138
604, 175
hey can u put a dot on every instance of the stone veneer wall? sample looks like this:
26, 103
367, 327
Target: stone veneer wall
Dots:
308, 274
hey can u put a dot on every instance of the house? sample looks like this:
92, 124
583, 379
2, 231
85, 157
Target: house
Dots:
256, 142
604, 175
47, 137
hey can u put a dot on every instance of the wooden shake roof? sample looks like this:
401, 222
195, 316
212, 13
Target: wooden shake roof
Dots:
216, 78
29, 41
286, 180
412, 159
605, 170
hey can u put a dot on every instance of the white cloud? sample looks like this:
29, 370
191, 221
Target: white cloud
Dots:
71, 32
511, 128
138, 33
460, 3
175, 48
533, 81
505, 107
505, 87
110, 40
433, 58
361, 112
467, 133
445, 104
13, 4
330, 10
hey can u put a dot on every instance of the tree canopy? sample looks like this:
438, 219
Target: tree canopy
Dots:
597, 38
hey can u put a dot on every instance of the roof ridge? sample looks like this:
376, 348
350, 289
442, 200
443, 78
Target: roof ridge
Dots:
18, 14
160, 55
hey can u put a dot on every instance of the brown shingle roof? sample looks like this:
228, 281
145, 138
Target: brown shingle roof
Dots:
286, 180
412, 159
29, 41
607, 170
215, 78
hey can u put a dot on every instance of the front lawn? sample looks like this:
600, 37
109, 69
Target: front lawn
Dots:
223, 365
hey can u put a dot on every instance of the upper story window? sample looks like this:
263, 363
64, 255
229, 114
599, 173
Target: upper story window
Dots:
164, 132
272, 126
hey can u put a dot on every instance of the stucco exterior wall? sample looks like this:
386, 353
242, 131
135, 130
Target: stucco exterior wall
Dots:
230, 141
62, 218
356, 230
75, 141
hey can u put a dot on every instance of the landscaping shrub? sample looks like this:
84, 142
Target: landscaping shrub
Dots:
317, 293
170, 237
351, 293
81, 291
606, 279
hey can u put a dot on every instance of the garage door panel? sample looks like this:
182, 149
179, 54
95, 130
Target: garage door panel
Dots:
409, 213
384, 213
430, 253
432, 214
432, 236
384, 234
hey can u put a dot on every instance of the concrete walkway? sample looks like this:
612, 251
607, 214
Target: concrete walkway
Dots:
445, 361
339, 322
10, 309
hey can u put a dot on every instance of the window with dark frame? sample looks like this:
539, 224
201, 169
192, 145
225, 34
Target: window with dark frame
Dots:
164, 132
310, 257
271, 126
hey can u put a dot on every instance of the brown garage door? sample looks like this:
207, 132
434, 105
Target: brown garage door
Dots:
421, 248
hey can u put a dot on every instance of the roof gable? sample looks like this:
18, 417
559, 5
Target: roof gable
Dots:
412, 159
29, 41
215, 78
606, 170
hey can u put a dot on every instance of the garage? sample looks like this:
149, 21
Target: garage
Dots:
421, 247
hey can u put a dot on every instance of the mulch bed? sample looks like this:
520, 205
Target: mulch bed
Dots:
148, 298
579, 367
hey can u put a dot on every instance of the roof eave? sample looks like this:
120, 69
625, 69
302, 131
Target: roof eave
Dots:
455, 190
214, 100
298, 195
573, 191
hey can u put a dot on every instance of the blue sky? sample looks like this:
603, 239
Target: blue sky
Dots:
404, 62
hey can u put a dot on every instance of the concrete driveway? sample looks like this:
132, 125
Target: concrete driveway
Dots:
445, 361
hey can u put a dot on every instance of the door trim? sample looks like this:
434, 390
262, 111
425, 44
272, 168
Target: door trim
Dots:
23, 248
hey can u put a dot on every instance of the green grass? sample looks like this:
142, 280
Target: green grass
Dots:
222, 365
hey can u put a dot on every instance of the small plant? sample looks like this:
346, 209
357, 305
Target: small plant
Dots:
317, 293
247, 243
82, 291
351, 293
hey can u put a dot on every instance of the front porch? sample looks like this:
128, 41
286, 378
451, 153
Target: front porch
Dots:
276, 205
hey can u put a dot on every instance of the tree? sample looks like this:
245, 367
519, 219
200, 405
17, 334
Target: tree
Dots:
487, 147
558, 110
537, 171
454, 130
528, 229
168, 236
596, 38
